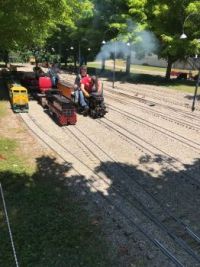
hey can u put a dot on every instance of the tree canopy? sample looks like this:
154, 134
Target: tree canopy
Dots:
85, 23
168, 20
30, 22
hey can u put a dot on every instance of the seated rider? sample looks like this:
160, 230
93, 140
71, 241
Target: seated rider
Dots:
81, 86
53, 73
38, 71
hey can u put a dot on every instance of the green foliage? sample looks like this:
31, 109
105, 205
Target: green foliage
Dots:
168, 19
30, 22
85, 23
137, 9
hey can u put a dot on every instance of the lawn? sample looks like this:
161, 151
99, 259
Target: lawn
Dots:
2, 108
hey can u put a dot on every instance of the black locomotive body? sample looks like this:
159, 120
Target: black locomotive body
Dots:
97, 107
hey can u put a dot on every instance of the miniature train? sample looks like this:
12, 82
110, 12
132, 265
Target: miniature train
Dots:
62, 109
57, 101
18, 97
60, 101
97, 108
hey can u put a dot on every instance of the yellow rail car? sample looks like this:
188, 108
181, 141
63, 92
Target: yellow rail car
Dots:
18, 97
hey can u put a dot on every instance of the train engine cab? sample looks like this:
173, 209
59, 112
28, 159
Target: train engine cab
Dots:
18, 97
61, 109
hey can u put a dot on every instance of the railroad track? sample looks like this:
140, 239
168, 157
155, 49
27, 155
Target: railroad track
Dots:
180, 120
147, 148
153, 93
138, 217
158, 114
103, 156
165, 131
157, 94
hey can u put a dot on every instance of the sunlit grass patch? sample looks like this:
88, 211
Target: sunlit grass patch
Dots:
3, 108
9, 159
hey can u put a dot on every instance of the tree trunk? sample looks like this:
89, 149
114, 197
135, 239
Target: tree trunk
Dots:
169, 67
128, 64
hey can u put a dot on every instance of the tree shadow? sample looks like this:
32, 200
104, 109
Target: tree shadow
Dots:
171, 190
178, 187
49, 221
56, 215
190, 97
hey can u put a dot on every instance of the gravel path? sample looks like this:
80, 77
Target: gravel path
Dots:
141, 170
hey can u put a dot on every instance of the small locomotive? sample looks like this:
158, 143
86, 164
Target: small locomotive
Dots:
18, 97
89, 94
97, 107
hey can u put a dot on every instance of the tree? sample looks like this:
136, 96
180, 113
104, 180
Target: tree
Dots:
166, 19
123, 21
105, 15
29, 23
78, 35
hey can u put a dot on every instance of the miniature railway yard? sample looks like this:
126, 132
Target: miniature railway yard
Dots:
140, 167
100, 133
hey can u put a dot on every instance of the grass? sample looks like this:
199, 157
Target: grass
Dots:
149, 68
49, 223
10, 160
179, 85
2, 109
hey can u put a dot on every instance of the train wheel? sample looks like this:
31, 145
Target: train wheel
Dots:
93, 114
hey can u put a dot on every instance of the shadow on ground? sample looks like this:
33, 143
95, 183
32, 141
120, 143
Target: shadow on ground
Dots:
54, 221
50, 224
138, 78
3, 91
190, 97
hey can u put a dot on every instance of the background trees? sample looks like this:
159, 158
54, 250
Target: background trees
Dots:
29, 23
83, 24
166, 20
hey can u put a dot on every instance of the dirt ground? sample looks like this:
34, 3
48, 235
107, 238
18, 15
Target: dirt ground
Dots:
139, 168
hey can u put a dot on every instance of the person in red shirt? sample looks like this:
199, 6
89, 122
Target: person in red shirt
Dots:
85, 85
81, 86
